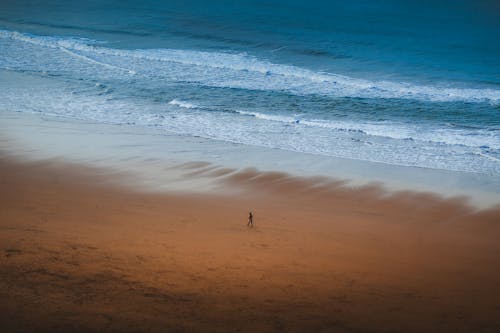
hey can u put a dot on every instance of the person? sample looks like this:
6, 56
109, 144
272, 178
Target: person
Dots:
250, 220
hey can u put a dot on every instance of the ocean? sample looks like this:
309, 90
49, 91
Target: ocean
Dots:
408, 83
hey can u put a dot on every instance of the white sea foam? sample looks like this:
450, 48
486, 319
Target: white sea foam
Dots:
283, 119
310, 136
182, 104
392, 130
87, 70
244, 71
88, 59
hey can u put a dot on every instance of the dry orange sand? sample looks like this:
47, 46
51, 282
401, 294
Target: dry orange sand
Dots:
79, 254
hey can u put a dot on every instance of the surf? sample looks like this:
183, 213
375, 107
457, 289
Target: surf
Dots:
235, 70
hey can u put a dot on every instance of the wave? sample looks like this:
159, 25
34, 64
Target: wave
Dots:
391, 130
95, 61
183, 104
85, 28
365, 141
283, 119
240, 70
482, 154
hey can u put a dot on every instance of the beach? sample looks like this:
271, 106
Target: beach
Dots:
84, 253
138, 138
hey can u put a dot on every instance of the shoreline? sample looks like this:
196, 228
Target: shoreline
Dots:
82, 253
153, 159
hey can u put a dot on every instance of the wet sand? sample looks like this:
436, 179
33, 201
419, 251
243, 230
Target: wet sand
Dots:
81, 252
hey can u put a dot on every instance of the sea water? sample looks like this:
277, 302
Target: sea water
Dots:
409, 83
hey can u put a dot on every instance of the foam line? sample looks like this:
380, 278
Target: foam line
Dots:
182, 104
247, 72
74, 54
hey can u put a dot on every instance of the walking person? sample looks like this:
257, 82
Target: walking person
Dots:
250, 220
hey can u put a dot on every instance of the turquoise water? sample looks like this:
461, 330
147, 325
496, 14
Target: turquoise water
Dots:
400, 82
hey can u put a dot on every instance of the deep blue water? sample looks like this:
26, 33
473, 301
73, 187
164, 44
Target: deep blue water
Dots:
400, 82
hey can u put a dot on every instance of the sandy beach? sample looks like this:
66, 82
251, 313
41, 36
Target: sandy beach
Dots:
82, 253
